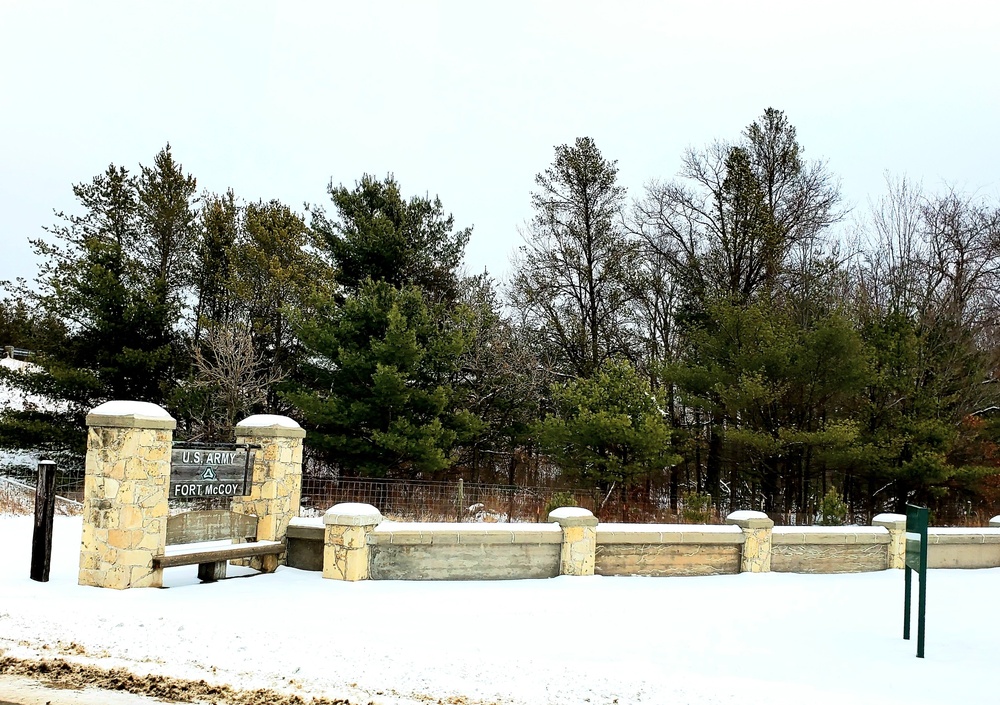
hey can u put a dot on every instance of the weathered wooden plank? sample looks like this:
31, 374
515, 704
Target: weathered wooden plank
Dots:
45, 509
210, 525
219, 553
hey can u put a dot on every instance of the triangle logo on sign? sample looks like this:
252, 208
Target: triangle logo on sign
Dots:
209, 474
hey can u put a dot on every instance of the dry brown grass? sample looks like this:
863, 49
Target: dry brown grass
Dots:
14, 500
20, 501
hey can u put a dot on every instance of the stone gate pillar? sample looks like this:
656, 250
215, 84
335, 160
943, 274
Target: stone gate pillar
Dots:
125, 494
345, 540
896, 551
757, 529
276, 485
579, 544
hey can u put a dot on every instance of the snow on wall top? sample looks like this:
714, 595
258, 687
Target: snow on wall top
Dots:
352, 508
269, 420
744, 514
569, 512
431, 527
889, 517
137, 409
845, 530
611, 527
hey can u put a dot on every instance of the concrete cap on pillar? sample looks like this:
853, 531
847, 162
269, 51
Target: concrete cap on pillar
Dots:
269, 425
352, 514
573, 516
131, 414
746, 519
890, 521
995, 522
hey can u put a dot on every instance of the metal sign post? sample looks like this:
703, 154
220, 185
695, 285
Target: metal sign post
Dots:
916, 560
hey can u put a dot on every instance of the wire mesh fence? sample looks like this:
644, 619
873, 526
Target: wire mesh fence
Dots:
19, 480
448, 500
424, 500
457, 500
397, 499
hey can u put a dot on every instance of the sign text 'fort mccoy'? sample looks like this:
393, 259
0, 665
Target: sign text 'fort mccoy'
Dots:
208, 472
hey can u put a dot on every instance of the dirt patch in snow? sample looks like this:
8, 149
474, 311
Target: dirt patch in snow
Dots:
63, 674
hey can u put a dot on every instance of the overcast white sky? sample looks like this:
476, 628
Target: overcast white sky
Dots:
467, 99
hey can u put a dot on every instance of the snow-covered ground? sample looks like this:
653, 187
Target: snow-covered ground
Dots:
748, 639
15, 399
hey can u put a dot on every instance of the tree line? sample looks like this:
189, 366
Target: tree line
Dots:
732, 333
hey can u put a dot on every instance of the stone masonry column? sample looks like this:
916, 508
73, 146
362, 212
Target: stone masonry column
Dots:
276, 485
125, 494
345, 540
995, 522
756, 528
896, 524
579, 543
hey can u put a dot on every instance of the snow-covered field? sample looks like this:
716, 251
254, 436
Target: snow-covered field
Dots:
768, 638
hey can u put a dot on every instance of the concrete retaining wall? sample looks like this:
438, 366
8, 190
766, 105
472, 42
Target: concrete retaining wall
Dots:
305, 544
963, 548
432, 551
445, 551
667, 549
828, 549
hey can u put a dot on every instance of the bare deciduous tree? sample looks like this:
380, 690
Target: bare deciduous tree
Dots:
727, 228
228, 366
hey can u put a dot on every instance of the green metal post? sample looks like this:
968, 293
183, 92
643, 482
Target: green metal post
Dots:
908, 582
916, 560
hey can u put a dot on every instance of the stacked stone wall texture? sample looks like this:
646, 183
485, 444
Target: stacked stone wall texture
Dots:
347, 528
579, 540
124, 506
276, 486
345, 553
895, 524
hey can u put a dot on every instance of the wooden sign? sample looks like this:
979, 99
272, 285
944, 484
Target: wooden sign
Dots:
209, 471
210, 525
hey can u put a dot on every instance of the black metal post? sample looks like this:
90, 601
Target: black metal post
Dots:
45, 510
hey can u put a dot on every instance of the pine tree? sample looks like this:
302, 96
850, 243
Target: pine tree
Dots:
572, 280
378, 235
608, 430
377, 389
213, 266
502, 382
169, 227
275, 272
107, 274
